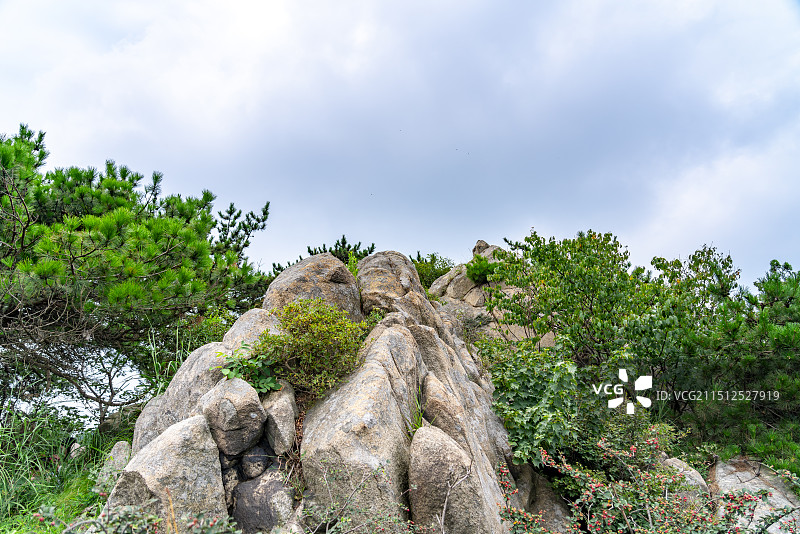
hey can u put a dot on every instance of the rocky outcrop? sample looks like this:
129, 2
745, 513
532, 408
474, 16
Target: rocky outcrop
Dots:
321, 276
412, 425
739, 474
180, 469
465, 300
413, 363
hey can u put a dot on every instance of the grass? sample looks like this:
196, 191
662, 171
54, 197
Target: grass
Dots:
36, 468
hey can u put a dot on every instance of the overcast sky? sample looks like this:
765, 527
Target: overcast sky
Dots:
429, 125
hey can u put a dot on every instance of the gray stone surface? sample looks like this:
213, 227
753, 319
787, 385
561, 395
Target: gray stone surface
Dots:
248, 327
114, 463
263, 503
282, 412
180, 468
199, 373
384, 277
440, 470
321, 276
739, 474
234, 414
254, 462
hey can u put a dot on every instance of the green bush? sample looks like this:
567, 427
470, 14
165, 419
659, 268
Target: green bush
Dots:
536, 395
317, 348
479, 269
431, 267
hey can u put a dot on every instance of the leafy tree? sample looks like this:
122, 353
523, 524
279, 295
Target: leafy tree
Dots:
90, 264
580, 289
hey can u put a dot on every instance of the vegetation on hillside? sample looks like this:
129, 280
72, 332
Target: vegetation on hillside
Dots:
100, 274
92, 265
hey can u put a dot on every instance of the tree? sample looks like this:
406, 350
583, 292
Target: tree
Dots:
581, 289
341, 249
90, 264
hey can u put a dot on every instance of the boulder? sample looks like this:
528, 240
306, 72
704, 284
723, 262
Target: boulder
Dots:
282, 412
248, 327
322, 276
697, 487
741, 473
263, 503
234, 414
114, 463
180, 468
254, 462
440, 472
384, 277
200, 372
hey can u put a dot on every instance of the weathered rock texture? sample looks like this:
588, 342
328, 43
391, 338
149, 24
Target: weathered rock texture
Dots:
412, 362
321, 276
742, 474
180, 468
465, 300
416, 412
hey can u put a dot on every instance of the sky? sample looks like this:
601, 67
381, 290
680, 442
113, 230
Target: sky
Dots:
429, 125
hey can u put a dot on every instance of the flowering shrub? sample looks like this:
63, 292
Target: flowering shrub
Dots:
648, 502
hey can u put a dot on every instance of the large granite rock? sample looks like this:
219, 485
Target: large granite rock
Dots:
234, 414
282, 412
742, 474
322, 276
384, 277
440, 472
180, 468
200, 372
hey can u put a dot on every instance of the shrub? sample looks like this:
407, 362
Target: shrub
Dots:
479, 269
317, 348
431, 267
536, 395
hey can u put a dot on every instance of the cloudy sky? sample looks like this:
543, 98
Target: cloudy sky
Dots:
428, 125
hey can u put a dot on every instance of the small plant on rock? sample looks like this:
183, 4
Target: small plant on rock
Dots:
479, 269
318, 347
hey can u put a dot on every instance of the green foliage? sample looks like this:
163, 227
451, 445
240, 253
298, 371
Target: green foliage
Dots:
138, 520
352, 264
430, 267
318, 346
342, 250
579, 288
536, 397
255, 368
91, 263
37, 469
480, 269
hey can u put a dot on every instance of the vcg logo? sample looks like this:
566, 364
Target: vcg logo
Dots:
642, 383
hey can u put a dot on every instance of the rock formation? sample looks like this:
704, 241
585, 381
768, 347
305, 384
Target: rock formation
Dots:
410, 429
